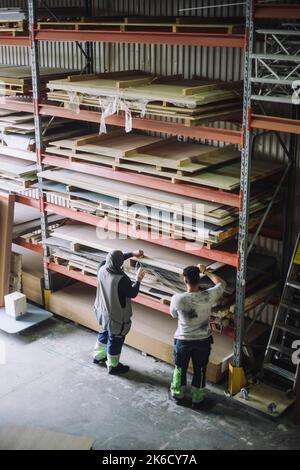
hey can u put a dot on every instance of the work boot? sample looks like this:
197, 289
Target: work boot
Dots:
179, 401
118, 370
198, 398
100, 362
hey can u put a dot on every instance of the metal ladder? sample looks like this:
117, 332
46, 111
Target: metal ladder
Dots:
286, 328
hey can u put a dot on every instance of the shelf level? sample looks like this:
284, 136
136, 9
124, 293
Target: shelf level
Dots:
143, 37
197, 192
225, 257
276, 124
152, 125
10, 40
28, 201
30, 246
274, 11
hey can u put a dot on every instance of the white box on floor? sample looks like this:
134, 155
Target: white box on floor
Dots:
15, 304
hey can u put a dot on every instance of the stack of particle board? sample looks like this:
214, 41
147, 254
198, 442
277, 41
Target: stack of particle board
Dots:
27, 266
17, 80
146, 24
27, 223
32, 276
133, 91
81, 248
12, 20
17, 147
171, 159
150, 210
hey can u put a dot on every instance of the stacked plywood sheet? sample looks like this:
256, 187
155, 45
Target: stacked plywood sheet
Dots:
133, 91
171, 159
155, 211
12, 20
17, 147
146, 24
27, 223
16, 81
81, 248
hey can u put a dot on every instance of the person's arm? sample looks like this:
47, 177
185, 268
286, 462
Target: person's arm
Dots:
213, 277
132, 254
128, 289
173, 309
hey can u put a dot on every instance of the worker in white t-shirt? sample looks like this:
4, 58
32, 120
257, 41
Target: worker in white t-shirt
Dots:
193, 338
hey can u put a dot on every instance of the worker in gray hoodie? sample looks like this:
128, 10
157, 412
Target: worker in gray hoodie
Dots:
113, 309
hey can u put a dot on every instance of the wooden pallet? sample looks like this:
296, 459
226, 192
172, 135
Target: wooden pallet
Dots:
180, 26
7, 26
165, 158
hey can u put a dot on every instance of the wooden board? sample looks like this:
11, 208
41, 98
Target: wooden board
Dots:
143, 25
262, 395
97, 238
17, 80
6, 227
98, 86
16, 167
14, 437
169, 154
213, 213
115, 144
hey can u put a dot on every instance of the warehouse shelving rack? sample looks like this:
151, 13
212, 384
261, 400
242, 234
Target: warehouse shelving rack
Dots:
252, 123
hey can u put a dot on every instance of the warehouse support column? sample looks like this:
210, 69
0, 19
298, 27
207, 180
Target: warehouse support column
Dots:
34, 50
237, 378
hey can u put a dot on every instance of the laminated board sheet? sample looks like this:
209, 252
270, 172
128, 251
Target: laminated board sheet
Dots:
159, 24
130, 194
17, 80
169, 154
193, 163
99, 239
14, 437
263, 396
15, 167
99, 86
6, 230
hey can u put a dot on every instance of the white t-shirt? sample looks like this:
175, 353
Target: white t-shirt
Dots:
193, 310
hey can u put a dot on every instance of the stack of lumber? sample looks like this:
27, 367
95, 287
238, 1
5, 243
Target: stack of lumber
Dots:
155, 24
190, 101
27, 274
151, 332
81, 248
17, 80
27, 223
156, 212
171, 159
12, 20
17, 147
32, 276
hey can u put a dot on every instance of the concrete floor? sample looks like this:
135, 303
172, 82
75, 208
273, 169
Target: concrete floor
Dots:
48, 381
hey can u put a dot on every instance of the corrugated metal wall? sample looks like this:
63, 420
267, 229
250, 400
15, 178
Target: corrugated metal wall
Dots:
215, 63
